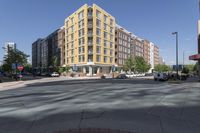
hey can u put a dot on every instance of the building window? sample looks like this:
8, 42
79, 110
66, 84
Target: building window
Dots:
79, 50
105, 35
98, 58
111, 45
111, 22
98, 49
98, 23
111, 53
111, 37
81, 41
81, 24
105, 19
105, 59
98, 32
111, 59
98, 14
105, 43
111, 30
72, 20
105, 51
81, 32
98, 40
72, 52
72, 60
105, 27
80, 15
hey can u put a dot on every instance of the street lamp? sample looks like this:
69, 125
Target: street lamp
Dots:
176, 33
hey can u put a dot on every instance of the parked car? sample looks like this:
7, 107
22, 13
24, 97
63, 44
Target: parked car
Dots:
148, 74
122, 76
129, 75
160, 76
55, 74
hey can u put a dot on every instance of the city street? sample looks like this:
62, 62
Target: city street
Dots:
137, 105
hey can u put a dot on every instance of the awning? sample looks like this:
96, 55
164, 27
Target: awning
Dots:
194, 57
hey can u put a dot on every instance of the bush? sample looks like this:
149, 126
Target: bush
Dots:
185, 70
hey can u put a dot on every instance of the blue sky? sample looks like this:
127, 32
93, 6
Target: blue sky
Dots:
23, 21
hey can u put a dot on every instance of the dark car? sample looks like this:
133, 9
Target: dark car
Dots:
122, 76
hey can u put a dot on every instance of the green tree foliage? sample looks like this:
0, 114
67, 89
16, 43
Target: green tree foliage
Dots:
61, 69
192, 68
185, 70
137, 64
141, 65
28, 68
129, 64
195, 69
14, 56
162, 68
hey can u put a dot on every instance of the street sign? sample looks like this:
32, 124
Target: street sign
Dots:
20, 68
13, 66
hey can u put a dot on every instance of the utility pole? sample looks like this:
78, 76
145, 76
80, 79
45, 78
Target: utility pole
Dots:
176, 33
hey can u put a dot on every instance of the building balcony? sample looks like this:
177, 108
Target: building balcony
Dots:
90, 52
90, 16
90, 25
90, 43
90, 60
90, 34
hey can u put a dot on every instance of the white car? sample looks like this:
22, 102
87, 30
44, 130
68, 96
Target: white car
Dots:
55, 74
129, 75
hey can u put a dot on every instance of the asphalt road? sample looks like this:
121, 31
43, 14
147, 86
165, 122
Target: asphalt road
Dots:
141, 106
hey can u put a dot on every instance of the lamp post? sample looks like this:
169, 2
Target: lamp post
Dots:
176, 33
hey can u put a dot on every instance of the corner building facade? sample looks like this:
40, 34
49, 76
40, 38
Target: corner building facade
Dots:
89, 40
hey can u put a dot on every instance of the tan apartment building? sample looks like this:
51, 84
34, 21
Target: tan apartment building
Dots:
146, 52
156, 55
122, 45
137, 48
89, 40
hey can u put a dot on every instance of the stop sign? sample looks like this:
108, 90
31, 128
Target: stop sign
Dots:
20, 68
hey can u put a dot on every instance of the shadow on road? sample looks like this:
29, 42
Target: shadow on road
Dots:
97, 81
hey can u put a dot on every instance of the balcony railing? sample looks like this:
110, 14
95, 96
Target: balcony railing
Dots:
90, 25
90, 60
90, 52
90, 43
89, 16
90, 34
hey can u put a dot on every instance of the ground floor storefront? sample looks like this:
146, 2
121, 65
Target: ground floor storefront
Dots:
196, 57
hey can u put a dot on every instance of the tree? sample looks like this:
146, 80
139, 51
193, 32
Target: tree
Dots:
61, 69
28, 67
162, 68
141, 65
129, 64
14, 56
67, 68
54, 63
185, 70
195, 69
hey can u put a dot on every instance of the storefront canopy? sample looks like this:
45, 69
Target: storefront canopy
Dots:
194, 57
